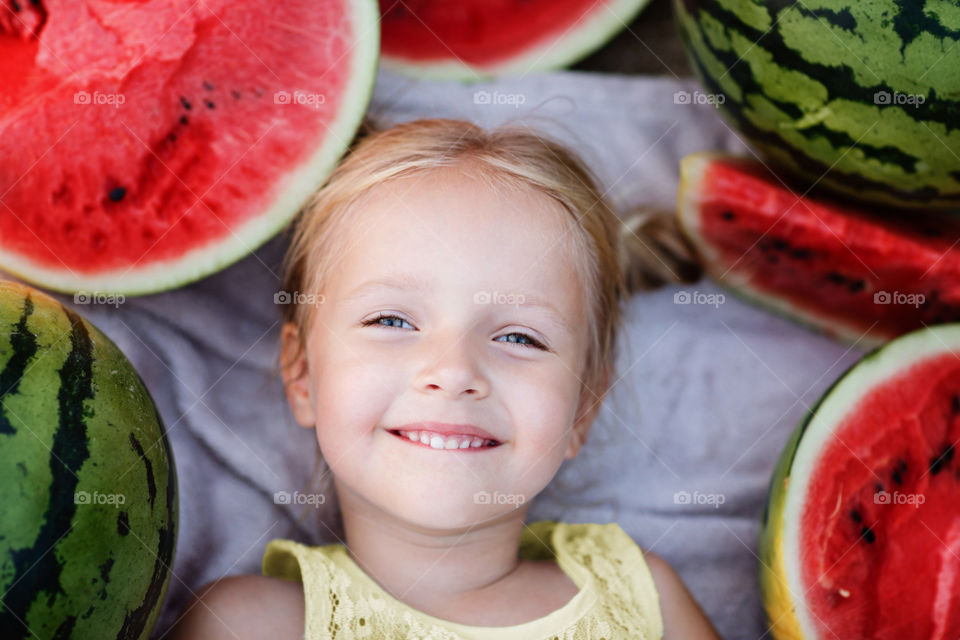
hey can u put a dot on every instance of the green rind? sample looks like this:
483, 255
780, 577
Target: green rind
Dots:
69, 569
204, 261
576, 43
809, 107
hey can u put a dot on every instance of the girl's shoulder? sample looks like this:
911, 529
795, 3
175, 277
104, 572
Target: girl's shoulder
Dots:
243, 607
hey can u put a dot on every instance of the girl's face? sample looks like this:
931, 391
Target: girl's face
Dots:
467, 282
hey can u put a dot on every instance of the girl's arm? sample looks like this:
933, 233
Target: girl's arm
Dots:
245, 607
682, 617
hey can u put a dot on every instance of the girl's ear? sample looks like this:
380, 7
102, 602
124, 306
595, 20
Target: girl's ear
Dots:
296, 376
586, 413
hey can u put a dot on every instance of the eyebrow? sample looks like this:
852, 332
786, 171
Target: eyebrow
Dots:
409, 282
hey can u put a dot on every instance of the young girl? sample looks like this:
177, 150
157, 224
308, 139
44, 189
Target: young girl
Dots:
457, 304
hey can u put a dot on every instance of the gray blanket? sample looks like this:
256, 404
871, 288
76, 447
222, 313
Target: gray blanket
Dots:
682, 451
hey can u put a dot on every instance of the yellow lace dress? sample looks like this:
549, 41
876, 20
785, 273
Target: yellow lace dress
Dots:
617, 598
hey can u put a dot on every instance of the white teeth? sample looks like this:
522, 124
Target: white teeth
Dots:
437, 441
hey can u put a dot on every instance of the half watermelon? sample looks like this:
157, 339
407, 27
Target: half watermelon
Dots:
861, 535
148, 144
859, 275
477, 39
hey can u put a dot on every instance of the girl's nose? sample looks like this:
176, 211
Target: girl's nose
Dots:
452, 367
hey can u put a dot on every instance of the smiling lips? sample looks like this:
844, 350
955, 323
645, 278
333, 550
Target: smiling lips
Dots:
446, 436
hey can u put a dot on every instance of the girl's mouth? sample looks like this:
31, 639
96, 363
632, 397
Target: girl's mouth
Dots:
437, 441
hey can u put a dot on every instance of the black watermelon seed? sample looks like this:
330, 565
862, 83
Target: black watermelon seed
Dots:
857, 286
836, 278
16, 7
728, 215
856, 516
955, 403
867, 534
207, 85
185, 103
209, 104
937, 464
779, 244
236, 94
117, 194
184, 120
801, 254
172, 137
878, 487
897, 477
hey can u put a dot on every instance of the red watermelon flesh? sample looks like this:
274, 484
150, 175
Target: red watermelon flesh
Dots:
858, 274
880, 525
474, 38
146, 144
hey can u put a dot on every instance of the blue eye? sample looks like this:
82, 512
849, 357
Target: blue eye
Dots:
533, 342
380, 318
384, 319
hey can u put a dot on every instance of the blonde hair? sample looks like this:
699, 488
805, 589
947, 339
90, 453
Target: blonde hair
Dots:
615, 257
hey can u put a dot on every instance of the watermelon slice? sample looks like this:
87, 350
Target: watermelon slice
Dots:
861, 276
861, 536
477, 39
148, 144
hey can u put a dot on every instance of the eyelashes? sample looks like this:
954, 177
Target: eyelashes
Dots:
532, 344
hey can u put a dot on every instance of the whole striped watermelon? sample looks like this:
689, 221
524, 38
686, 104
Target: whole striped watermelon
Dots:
862, 96
87, 483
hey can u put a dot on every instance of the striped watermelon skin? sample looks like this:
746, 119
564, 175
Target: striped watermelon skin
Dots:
78, 429
862, 98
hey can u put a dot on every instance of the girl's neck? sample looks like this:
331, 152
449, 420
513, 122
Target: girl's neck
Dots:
431, 569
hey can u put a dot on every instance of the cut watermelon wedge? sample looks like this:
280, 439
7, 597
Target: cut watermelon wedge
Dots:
861, 537
148, 144
478, 39
858, 275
